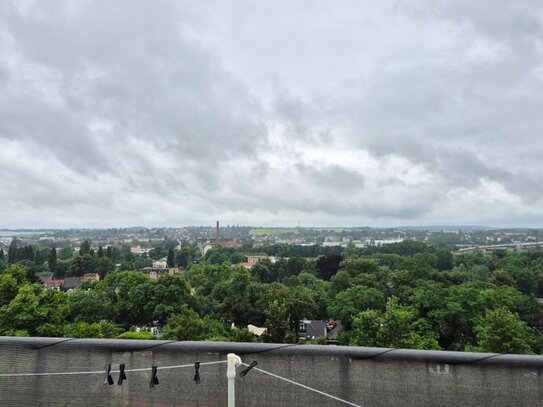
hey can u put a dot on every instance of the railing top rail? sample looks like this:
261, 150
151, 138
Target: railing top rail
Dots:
349, 352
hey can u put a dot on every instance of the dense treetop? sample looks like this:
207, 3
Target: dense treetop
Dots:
407, 295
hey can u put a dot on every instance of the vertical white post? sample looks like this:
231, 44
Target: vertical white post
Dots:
233, 362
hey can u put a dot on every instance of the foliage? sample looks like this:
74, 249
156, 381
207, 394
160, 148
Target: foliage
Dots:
37, 311
502, 331
184, 326
409, 294
136, 335
102, 329
397, 327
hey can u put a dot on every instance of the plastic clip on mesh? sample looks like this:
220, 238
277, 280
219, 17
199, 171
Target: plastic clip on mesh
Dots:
197, 372
122, 374
154, 378
107, 375
249, 367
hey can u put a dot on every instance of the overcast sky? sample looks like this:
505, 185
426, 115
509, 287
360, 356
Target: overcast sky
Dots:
348, 113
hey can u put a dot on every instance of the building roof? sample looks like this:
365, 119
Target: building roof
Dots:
258, 331
72, 282
315, 328
49, 282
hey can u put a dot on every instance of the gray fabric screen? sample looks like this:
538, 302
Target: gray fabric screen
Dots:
368, 377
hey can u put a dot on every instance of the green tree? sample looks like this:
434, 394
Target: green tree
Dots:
237, 298
328, 265
355, 299
129, 293
340, 281
237, 257
502, 277
90, 306
66, 253
295, 265
35, 310
81, 264
102, 329
52, 260
137, 335
103, 265
502, 331
170, 261
264, 271
85, 248
170, 295
184, 326
10, 281
12, 251
299, 303
277, 321
397, 327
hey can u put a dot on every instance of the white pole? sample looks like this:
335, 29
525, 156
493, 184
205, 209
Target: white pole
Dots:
233, 361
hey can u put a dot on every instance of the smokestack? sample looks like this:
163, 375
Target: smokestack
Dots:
217, 234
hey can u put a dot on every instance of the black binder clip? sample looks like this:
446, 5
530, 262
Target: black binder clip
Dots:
107, 376
244, 372
154, 379
197, 372
122, 374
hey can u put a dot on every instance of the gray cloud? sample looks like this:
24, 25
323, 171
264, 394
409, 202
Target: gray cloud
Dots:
130, 111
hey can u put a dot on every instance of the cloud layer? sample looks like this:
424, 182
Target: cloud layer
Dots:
271, 113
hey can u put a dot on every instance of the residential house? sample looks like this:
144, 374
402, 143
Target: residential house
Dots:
155, 273
160, 264
91, 277
311, 330
252, 259
52, 284
72, 282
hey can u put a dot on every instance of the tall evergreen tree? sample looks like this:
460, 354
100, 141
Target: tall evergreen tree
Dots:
85, 248
52, 260
100, 252
12, 252
171, 259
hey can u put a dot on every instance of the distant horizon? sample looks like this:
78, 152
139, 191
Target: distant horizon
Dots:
270, 113
256, 226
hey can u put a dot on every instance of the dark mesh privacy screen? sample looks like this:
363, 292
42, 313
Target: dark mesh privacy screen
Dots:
366, 377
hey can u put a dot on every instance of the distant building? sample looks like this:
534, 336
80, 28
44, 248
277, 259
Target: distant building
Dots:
155, 273
252, 259
155, 329
384, 241
139, 250
311, 330
52, 284
160, 264
72, 282
258, 331
91, 277
233, 244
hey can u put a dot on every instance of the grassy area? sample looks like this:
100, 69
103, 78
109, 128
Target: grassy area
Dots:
287, 231
273, 231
